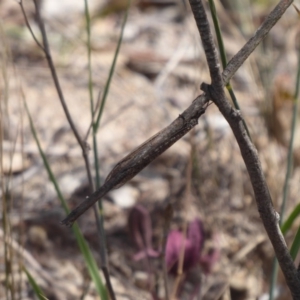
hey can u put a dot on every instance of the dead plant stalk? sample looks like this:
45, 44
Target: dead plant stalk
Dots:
143, 155
44, 46
216, 93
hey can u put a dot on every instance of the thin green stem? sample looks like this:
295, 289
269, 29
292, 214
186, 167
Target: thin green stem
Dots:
98, 216
89, 259
112, 68
295, 246
290, 220
291, 145
223, 57
218, 33
89, 52
36, 288
296, 243
95, 127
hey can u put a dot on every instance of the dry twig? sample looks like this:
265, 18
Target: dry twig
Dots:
147, 152
82, 143
215, 92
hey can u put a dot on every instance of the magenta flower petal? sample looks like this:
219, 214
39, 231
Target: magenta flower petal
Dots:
193, 244
140, 228
196, 233
145, 253
174, 243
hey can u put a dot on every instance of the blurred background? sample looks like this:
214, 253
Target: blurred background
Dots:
158, 73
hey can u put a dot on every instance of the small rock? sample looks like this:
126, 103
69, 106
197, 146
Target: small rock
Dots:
125, 196
141, 280
14, 163
37, 236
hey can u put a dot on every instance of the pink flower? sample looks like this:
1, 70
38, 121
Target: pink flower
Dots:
140, 228
192, 243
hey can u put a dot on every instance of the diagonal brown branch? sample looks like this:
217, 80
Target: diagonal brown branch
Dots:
216, 93
143, 155
137, 160
121, 174
234, 64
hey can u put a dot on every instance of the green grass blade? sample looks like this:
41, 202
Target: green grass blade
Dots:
273, 278
290, 220
89, 52
291, 145
112, 68
90, 88
89, 259
218, 33
103, 101
296, 245
99, 216
45, 161
223, 57
90, 263
37, 290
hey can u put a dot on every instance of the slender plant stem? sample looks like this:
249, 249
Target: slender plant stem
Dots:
134, 162
47, 52
223, 57
112, 68
143, 155
168, 215
287, 175
215, 92
238, 59
273, 278
98, 216
295, 245
46, 49
290, 220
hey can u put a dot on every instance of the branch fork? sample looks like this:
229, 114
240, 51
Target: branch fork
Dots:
148, 151
249, 153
